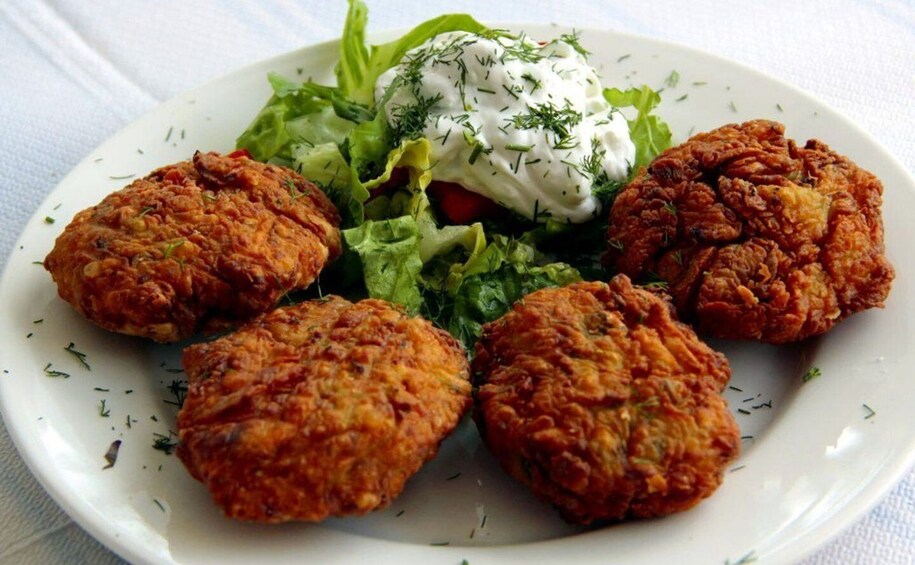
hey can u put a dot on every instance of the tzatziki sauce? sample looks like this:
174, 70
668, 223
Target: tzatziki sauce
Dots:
524, 124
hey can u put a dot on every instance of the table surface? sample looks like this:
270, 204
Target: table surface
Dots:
73, 73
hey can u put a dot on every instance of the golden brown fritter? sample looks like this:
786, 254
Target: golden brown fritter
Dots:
755, 236
596, 398
195, 246
321, 409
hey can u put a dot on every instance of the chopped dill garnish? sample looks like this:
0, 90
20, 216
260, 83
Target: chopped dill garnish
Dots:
294, 190
779, 106
80, 356
121, 177
623, 58
573, 40
811, 374
672, 79
169, 134
171, 247
159, 504
558, 121
510, 91
48, 220
454, 476
103, 410
870, 412
732, 106
53, 373
742, 411
682, 98
410, 120
656, 283
165, 443
535, 84
178, 388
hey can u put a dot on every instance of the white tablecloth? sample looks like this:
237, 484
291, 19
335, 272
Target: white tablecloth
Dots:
73, 72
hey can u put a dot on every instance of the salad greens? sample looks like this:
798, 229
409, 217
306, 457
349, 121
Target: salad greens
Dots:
396, 247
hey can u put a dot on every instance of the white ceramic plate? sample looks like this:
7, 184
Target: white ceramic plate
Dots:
816, 455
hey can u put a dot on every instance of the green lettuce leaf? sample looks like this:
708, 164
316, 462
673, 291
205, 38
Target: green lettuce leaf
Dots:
299, 114
649, 133
409, 213
352, 69
489, 284
360, 65
389, 253
324, 165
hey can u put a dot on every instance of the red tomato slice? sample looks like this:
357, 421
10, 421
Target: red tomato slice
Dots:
460, 205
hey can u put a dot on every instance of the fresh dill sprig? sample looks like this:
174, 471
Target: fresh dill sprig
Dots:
573, 40
812, 373
410, 119
178, 388
50, 372
171, 247
558, 121
165, 443
80, 356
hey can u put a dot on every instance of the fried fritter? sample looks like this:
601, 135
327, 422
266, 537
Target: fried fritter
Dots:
755, 236
195, 246
321, 409
596, 398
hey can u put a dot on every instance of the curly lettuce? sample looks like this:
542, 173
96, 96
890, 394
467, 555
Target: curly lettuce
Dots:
396, 248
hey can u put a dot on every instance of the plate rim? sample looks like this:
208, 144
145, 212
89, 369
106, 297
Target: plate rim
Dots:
83, 514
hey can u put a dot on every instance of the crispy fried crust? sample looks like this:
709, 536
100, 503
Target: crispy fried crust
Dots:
195, 246
321, 409
756, 237
596, 398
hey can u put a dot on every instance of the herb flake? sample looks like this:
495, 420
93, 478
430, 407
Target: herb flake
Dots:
80, 356
812, 373
165, 443
49, 371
